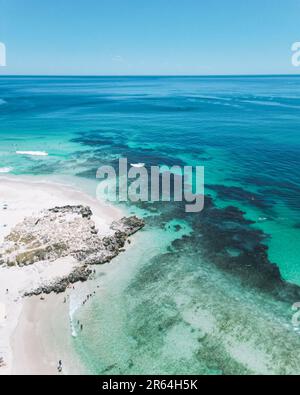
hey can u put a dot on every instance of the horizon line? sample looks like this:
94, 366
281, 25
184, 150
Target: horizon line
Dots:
151, 75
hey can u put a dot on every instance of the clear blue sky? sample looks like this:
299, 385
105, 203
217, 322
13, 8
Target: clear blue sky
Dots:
149, 36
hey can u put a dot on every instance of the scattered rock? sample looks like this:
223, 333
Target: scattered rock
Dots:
2, 364
79, 274
128, 225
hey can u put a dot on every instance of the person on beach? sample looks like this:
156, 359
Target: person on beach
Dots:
59, 367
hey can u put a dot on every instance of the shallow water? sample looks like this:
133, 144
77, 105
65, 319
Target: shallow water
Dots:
176, 304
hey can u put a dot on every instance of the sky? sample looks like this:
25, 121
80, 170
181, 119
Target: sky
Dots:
149, 37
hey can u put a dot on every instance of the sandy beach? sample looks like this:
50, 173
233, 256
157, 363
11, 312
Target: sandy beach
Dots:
27, 323
42, 337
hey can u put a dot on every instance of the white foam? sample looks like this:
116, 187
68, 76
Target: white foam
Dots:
5, 169
138, 165
32, 153
75, 302
262, 219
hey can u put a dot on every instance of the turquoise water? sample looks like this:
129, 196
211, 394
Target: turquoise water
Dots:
177, 299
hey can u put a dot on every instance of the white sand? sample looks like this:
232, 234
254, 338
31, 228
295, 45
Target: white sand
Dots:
43, 337
20, 198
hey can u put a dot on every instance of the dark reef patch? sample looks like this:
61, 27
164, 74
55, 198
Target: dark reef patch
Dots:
93, 159
275, 189
239, 194
226, 239
98, 138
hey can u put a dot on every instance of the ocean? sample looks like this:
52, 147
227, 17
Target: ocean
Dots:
203, 293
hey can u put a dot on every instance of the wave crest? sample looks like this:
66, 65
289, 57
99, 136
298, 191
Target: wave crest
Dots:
32, 153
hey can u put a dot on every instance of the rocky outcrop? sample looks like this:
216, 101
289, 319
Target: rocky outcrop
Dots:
65, 231
79, 274
128, 225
